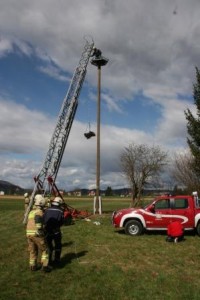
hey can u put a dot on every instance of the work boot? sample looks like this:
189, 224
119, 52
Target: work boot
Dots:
47, 269
37, 267
56, 262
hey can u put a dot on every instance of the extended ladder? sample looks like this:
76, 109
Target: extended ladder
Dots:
45, 180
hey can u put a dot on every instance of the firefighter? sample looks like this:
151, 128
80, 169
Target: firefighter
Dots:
175, 232
36, 238
26, 201
53, 220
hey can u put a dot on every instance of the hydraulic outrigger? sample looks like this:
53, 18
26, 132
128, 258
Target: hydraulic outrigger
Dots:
45, 180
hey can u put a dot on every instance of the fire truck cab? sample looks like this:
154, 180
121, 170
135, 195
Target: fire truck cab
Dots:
159, 214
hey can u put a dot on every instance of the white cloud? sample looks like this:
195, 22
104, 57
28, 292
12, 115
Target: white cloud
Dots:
157, 48
150, 50
5, 46
54, 72
111, 103
22, 130
22, 135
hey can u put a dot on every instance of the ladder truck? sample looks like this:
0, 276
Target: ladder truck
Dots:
45, 180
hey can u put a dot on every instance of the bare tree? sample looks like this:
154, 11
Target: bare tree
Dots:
141, 164
184, 173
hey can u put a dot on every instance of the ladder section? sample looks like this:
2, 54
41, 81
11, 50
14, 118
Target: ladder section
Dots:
46, 178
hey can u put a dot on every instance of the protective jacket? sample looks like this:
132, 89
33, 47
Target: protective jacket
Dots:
36, 241
53, 219
35, 222
175, 229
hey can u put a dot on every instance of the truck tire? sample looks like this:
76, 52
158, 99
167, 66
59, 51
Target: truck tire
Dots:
133, 227
198, 229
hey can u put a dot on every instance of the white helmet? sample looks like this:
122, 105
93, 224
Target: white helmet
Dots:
57, 201
26, 195
39, 200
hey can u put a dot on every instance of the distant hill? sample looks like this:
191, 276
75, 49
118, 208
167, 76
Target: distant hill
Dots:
9, 188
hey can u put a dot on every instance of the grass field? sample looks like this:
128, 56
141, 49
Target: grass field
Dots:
98, 262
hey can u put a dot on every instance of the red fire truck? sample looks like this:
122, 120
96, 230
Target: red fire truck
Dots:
159, 214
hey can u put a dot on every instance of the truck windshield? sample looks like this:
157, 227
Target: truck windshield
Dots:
146, 205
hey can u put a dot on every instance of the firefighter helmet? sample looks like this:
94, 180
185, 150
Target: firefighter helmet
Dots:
39, 200
57, 201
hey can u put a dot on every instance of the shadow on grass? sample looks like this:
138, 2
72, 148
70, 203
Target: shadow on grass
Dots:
157, 233
67, 244
120, 231
68, 258
164, 233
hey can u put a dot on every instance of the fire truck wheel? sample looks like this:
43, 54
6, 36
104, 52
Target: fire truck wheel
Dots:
198, 229
133, 227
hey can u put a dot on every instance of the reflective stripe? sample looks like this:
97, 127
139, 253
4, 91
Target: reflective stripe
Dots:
32, 262
44, 256
30, 232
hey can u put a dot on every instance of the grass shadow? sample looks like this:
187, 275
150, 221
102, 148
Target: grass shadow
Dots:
68, 258
157, 233
119, 231
67, 244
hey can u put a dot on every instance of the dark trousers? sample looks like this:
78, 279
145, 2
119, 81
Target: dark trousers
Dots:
173, 238
54, 242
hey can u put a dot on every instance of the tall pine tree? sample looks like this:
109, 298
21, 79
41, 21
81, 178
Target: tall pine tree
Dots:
193, 125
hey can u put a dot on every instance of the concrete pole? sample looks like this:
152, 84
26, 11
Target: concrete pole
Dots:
98, 206
98, 61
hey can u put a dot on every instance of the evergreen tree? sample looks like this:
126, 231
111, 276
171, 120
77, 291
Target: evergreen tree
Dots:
109, 191
193, 125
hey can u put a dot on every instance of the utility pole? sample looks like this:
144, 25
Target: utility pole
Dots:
98, 61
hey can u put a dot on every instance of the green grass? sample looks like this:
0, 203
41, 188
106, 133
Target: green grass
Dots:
98, 262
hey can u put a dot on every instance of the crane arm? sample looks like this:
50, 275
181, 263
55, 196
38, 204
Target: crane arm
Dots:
48, 173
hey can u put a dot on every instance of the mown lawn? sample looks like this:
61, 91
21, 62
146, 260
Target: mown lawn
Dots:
98, 262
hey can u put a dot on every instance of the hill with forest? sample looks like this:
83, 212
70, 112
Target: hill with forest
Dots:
9, 188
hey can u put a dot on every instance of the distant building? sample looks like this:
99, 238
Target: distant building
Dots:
77, 193
91, 193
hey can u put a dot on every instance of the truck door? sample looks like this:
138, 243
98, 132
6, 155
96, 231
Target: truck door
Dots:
183, 212
162, 214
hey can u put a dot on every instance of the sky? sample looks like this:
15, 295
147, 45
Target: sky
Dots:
153, 48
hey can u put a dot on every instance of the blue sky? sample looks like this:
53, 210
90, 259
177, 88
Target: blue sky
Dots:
146, 85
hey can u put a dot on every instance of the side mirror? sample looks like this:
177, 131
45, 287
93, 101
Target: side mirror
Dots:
152, 208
